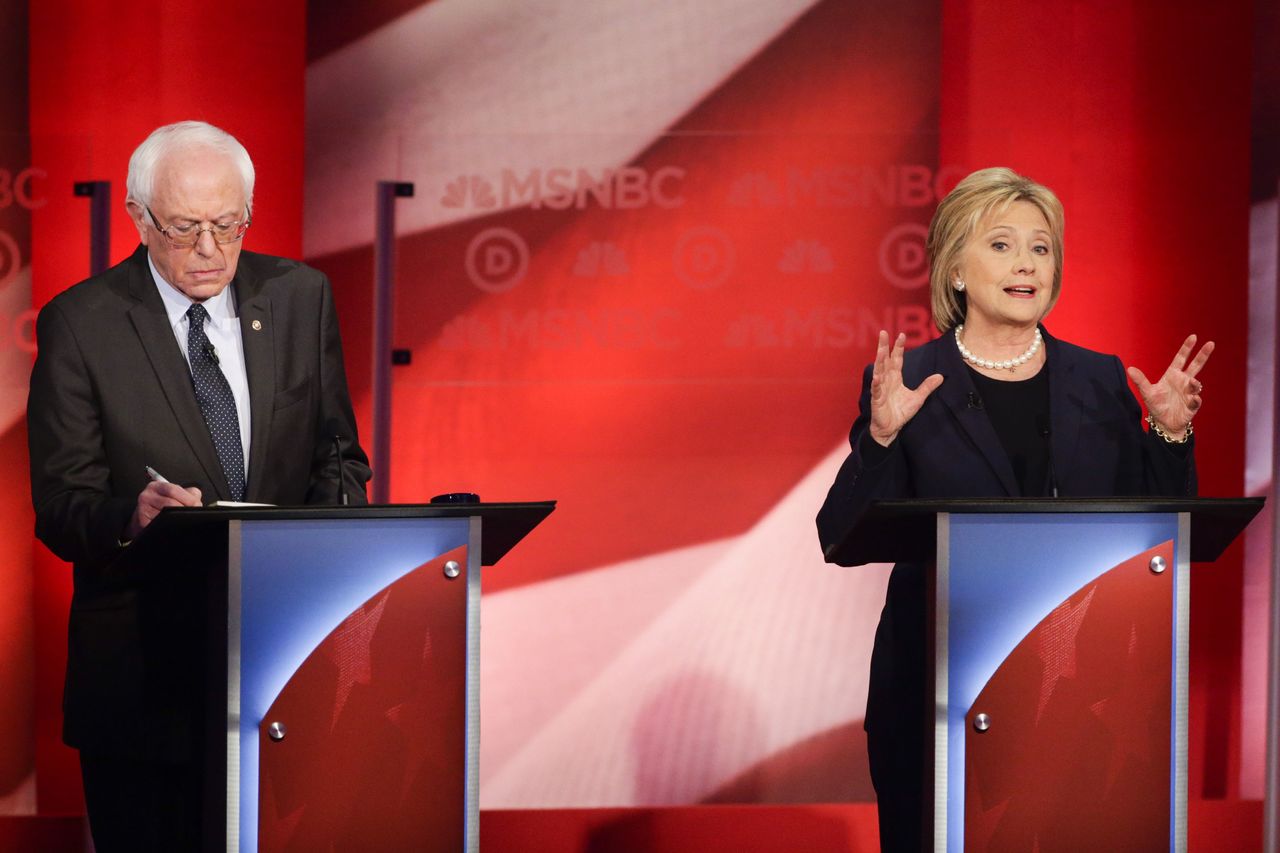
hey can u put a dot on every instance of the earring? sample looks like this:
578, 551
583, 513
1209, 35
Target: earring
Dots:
959, 286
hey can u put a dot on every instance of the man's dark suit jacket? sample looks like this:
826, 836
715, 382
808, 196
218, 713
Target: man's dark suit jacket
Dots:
110, 394
951, 450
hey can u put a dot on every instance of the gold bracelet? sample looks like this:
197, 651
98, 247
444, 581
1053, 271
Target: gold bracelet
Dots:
1158, 430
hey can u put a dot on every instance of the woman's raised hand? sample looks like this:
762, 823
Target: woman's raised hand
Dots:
1174, 400
892, 402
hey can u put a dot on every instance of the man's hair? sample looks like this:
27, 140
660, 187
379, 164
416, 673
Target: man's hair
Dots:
184, 135
957, 218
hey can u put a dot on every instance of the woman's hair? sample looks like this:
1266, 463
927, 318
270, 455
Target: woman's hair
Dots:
175, 137
957, 218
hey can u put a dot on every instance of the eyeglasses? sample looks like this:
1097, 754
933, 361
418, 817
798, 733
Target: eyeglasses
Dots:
187, 235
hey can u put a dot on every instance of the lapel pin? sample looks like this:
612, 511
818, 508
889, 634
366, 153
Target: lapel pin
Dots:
257, 325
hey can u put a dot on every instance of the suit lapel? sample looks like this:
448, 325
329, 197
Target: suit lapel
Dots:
258, 334
959, 392
1065, 409
152, 325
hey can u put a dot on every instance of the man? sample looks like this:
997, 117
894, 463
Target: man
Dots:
221, 371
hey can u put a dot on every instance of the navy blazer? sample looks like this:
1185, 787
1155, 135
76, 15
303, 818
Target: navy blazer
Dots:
950, 450
110, 394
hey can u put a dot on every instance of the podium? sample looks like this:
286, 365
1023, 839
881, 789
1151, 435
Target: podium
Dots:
1060, 650
331, 661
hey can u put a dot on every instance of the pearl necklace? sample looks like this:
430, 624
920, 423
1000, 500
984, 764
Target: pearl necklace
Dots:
1010, 365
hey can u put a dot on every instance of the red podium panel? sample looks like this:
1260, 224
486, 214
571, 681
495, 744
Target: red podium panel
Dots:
330, 660
1075, 755
1060, 644
372, 752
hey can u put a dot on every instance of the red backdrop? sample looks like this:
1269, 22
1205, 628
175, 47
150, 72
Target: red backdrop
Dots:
103, 75
1157, 231
1147, 149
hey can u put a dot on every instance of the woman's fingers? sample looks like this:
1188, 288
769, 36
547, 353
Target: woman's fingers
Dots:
1184, 352
1140, 379
882, 350
1201, 358
929, 385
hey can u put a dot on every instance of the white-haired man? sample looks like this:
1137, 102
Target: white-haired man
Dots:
222, 369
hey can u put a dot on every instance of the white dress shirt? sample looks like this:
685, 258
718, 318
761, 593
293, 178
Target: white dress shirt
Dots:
223, 330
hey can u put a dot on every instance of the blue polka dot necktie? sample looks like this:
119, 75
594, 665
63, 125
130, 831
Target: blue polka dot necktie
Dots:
216, 401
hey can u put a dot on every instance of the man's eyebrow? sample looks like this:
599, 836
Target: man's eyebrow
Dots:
220, 218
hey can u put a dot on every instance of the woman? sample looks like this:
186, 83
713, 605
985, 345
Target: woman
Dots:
995, 407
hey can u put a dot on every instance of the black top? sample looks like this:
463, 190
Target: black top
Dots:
1019, 412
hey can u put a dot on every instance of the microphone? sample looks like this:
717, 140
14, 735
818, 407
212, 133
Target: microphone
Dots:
975, 402
334, 429
1042, 427
211, 352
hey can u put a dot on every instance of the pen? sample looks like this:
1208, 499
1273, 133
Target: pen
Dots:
156, 476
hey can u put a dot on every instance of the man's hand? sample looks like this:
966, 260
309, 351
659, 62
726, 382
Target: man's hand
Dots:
155, 497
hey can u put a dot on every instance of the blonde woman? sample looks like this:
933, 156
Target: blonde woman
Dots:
995, 407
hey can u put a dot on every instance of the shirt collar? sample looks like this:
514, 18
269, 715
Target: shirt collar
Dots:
177, 303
